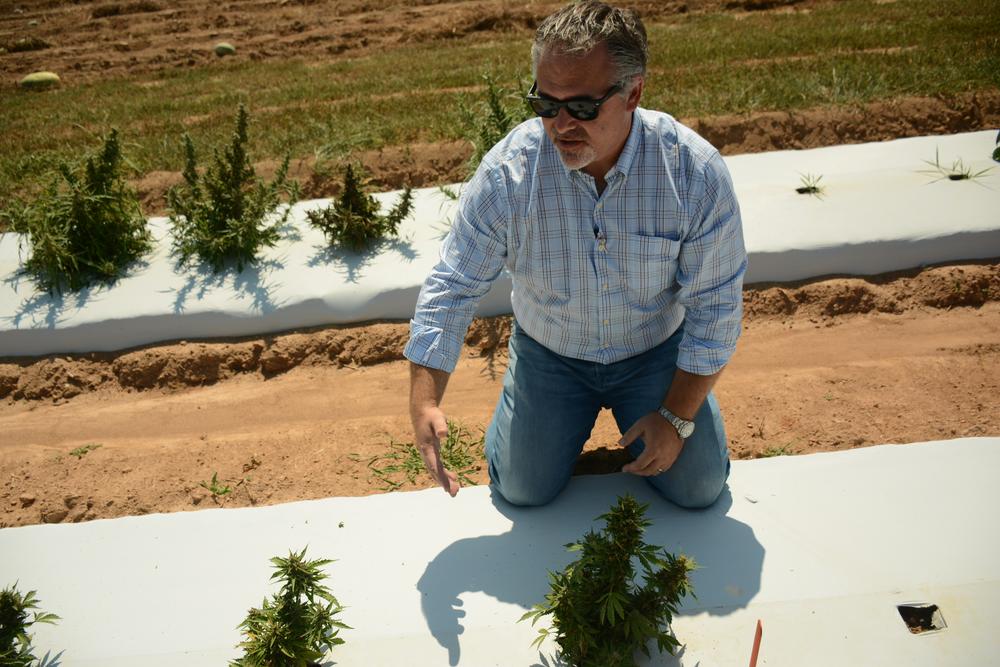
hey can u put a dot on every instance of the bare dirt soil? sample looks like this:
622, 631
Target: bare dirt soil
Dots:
90, 39
823, 365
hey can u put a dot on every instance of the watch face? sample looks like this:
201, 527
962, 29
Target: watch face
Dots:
686, 429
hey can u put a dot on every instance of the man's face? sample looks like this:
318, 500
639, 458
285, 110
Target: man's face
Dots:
593, 145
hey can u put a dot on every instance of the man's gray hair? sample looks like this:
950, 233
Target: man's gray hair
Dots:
580, 26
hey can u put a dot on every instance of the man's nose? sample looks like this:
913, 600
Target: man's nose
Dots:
564, 121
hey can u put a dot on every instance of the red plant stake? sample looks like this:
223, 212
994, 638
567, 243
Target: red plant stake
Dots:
756, 644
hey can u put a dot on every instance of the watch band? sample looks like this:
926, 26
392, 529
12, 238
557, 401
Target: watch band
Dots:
684, 427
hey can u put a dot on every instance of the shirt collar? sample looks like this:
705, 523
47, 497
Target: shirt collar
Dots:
629, 150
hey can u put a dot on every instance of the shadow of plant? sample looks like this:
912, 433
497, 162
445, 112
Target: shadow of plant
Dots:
354, 264
48, 307
49, 660
512, 567
251, 282
55, 303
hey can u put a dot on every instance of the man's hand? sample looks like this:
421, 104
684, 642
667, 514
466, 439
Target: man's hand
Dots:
427, 387
663, 445
429, 427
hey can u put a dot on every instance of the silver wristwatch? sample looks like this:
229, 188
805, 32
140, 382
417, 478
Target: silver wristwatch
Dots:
683, 426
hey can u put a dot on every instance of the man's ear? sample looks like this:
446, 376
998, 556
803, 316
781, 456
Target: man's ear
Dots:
635, 94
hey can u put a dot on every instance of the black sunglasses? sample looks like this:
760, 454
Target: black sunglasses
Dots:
581, 108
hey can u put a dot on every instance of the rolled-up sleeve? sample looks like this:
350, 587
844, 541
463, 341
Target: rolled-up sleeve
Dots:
713, 261
472, 257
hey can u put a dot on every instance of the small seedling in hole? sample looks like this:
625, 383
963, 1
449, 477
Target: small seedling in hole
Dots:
214, 487
958, 171
81, 451
996, 151
296, 627
810, 185
921, 617
601, 616
15, 642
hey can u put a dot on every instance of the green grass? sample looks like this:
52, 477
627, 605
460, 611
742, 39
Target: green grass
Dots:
460, 453
840, 53
783, 450
81, 451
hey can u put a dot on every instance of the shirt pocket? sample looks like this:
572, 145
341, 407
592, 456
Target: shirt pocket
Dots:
650, 268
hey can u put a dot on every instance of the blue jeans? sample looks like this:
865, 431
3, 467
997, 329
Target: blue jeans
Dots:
548, 407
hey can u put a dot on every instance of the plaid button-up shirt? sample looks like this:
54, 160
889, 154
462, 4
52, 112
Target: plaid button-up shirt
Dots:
595, 277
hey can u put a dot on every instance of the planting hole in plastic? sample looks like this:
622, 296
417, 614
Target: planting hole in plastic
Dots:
920, 618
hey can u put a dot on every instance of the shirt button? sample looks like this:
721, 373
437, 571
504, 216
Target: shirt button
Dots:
601, 246
606, 322
604, 286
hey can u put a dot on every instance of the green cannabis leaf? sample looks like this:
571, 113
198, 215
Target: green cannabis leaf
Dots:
296, 627
86, 227
353, 220
600, 615
487, 120
226, 214
15, 642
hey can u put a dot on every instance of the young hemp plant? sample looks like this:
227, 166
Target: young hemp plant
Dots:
296, 627
958, 171
489, 119
353, 220
226, 214
810, 185
88, 229
15, 642
601, 616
